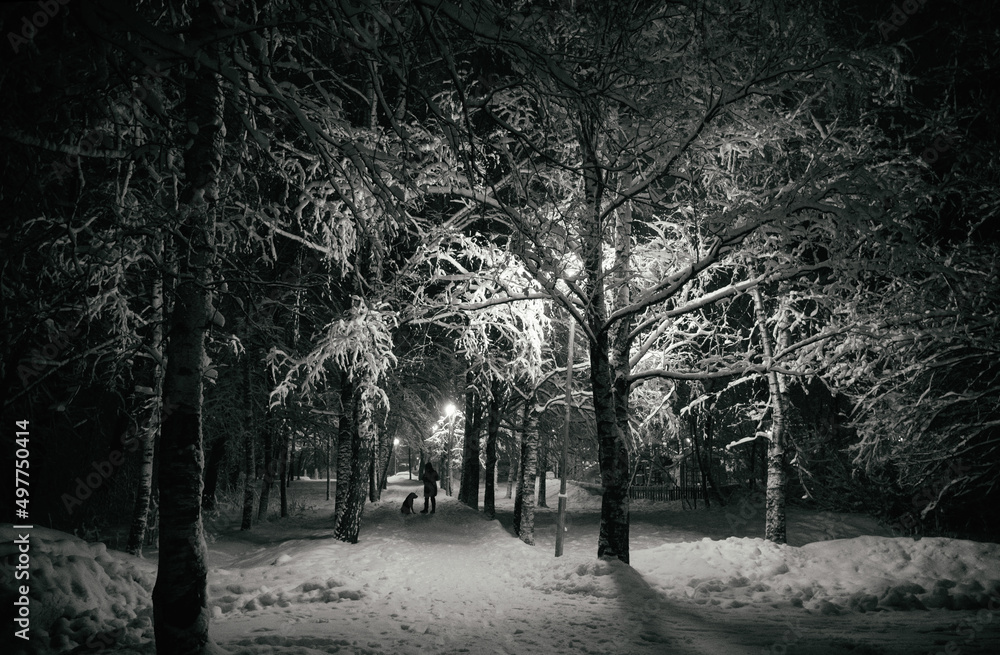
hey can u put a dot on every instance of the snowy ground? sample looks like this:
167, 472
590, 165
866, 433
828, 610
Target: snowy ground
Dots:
454, 582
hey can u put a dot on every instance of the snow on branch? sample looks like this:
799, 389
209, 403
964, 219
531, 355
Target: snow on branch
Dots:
360, 344
740, 442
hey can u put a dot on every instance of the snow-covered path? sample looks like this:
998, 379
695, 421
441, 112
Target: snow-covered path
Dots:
446, 582
454, 582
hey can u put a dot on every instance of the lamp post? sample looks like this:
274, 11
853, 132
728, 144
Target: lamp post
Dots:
395, 460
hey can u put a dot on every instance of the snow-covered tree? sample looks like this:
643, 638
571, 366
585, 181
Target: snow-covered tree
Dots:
613, 126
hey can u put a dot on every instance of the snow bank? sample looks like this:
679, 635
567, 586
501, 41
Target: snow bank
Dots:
80, 595
861, 574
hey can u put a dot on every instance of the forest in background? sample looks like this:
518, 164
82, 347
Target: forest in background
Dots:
243, 241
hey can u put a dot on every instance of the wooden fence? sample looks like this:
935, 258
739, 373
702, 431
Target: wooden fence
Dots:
665, 492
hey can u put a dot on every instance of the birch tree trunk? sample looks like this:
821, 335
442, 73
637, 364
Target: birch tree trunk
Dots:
328, 456
140, 511
774, 508
180, 610
345, 433
525, 503
349, 525
514, 468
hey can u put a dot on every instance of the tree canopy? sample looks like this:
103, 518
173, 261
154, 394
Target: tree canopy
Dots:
772, 224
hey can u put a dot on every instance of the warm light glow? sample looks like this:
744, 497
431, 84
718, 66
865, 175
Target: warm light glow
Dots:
395, 442
449, 409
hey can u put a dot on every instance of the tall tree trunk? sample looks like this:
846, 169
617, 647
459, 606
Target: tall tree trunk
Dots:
140, 511
284, 470
525, 516
468, 491
713, 483
614, 537
543, 458
388, 450
180, 610
514, 467
519, 465
695, 430
290, 459
612, 410
493, 429
249, 456
215, 457
349, 526
373, 473
345, 434
270, 466
774, 508
233, 472
613, 541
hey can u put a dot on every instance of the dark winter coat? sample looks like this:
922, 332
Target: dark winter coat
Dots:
430, 479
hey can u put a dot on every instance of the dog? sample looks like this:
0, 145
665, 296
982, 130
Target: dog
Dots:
408, 504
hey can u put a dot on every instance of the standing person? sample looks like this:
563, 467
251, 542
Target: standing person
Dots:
430, 478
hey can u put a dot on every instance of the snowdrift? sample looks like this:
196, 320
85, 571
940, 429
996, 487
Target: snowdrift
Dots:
861, 574
80, 594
